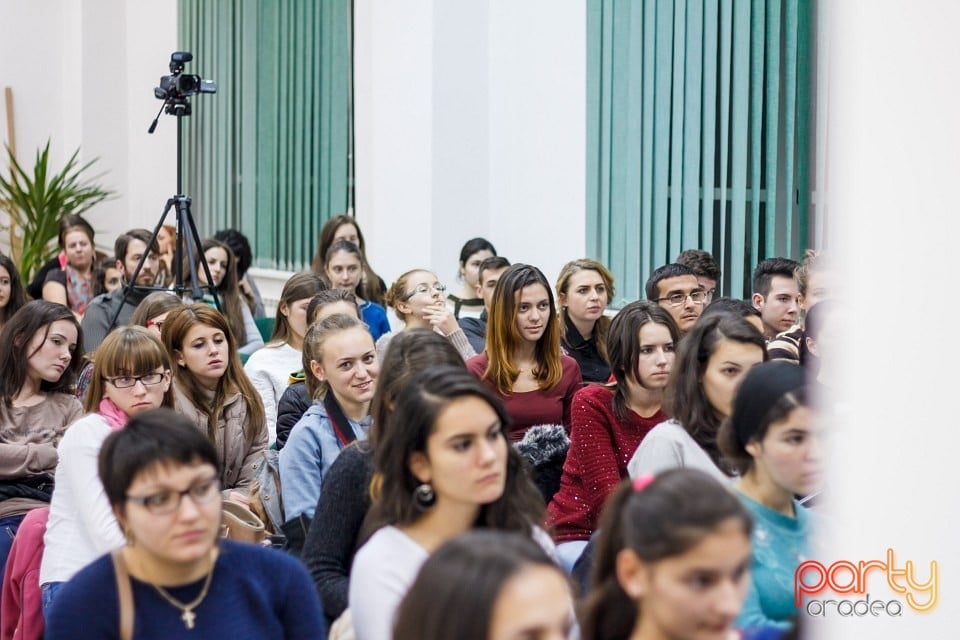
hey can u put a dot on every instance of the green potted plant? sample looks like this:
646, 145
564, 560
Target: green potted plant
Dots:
37, 201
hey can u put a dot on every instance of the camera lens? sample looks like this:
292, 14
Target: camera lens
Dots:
188, 84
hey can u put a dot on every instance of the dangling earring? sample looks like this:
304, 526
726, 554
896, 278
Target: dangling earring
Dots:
424, 497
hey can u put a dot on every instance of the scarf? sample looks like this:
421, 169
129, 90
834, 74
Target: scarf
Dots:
116, 418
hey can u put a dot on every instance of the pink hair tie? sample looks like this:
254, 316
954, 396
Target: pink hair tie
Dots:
642, 481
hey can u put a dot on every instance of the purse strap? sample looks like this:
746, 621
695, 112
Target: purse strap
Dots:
124, 593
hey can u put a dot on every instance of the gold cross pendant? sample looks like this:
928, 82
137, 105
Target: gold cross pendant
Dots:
188, 617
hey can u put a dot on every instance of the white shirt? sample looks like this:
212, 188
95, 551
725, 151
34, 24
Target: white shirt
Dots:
269, 370
81, 526
669, 446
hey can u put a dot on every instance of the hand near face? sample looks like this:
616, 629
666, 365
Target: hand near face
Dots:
439, 317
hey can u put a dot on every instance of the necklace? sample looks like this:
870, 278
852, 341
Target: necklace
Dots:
188, 615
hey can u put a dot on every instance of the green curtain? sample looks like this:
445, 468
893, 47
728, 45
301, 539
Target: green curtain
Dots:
269, 153
697, 134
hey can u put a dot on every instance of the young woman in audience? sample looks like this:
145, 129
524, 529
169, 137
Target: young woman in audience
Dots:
335, 531
673, 561
774, 440
243, 254
711, 361
584, 289
106, 277
160, 478
446, 467
523, 363
223, 271
466, 304
417, 299
212, 390
487, 585
12, 294
150, 313
296, 398
344, 267
340, 362
72, 284
38, 349
609, 422
269, 368
131, 374
343, 227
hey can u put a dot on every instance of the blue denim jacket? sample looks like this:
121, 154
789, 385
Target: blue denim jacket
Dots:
310, 450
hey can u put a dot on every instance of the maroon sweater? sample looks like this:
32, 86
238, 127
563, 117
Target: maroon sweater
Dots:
529, 408
601, 445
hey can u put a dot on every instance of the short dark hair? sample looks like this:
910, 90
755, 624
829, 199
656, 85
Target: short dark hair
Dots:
670, 270
474, 245
702, 262
123, 241
240, 246
736, 306
767, 270
457, 588
493, 263
155, 436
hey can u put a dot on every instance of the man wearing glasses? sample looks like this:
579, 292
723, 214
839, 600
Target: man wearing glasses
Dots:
675, 288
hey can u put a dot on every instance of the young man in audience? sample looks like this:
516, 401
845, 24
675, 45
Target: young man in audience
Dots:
128, 248
705, 268
675, 288
776, 295
488, 274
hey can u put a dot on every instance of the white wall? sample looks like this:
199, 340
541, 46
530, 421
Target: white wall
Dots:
470, 122
82, 74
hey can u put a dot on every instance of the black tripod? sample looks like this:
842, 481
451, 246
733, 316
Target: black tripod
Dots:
175, 90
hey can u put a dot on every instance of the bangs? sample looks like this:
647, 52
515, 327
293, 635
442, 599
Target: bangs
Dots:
133, 356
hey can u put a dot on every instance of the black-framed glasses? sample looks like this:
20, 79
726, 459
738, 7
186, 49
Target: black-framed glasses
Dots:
148, 380
677, 299
166, 502
425, 288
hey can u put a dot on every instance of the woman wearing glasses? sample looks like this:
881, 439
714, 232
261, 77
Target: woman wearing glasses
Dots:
213, 391
160, 477
417, 299
131, 375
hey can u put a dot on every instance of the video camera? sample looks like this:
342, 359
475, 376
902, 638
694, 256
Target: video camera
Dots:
178, 85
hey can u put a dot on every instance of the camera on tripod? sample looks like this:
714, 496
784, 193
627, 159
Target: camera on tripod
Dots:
179, 85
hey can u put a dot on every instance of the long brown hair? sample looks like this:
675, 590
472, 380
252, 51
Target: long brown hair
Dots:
503, 336
175, 329
228, 291
299, 286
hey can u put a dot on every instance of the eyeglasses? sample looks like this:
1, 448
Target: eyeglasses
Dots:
166, 502
425, 288
709, 294
148, 380
677, 299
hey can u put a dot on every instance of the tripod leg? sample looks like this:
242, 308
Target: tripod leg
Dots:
131, 282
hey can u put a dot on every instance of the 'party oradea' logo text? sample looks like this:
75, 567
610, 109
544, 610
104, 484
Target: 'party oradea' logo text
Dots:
812, 578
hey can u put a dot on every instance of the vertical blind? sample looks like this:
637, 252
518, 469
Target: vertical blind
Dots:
269, 153
697, 134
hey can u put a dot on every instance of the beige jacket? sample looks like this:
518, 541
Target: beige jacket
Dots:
239, 458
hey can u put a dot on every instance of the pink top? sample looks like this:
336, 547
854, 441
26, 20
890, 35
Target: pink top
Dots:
601, 445
529, 408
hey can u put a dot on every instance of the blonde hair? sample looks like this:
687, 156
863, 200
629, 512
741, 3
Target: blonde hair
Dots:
313, 343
